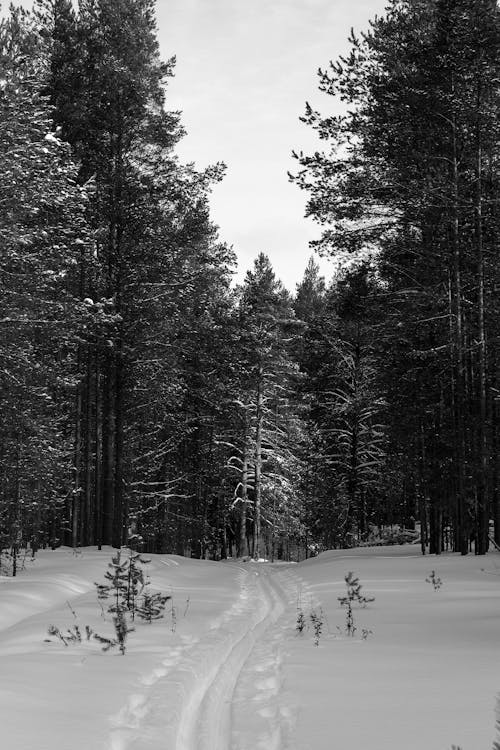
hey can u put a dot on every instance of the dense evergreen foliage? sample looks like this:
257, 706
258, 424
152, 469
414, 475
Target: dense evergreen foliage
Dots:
412, 176
147, 401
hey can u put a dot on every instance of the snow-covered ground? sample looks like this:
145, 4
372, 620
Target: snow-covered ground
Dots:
230, 671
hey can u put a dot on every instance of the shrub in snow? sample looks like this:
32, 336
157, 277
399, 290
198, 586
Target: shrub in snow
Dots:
435, 580
301, 621
127, 588
317, 620
135, 580
72, 635
117, 585
354, 592
353, 596
173, 613
121, 629
151, 606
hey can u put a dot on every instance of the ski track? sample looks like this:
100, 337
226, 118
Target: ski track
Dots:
224, 691
262, 712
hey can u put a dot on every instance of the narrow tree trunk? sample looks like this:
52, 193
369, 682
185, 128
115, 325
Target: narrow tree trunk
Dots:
98, 455
258, 463
496, 474
422, 500
107, 474
461, 521
119, 515
77, 468
482, 511
88, 521
243, 545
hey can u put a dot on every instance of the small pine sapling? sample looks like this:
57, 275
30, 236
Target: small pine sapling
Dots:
122, 588
435, 580
121, 629
352, 596
350, 625
121, 632
135, 580
72, 635
317, 620
173, 613
108, 643
54, 630
354, 592
151, 606
301, 621
117, 588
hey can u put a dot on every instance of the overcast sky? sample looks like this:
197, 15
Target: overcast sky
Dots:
244, 71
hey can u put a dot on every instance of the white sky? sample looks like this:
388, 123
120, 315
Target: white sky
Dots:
244, 71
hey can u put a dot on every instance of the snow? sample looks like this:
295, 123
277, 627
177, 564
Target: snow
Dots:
51, 138
230, 672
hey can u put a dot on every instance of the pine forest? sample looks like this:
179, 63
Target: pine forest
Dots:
148, 400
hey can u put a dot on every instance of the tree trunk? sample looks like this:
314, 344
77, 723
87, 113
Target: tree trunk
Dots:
482, 510
460, 507
98, 455
77, 468
243, 545
119, 515
88, 520
107, 474
258, 463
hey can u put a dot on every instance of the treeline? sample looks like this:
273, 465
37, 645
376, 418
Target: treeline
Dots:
411, 175
146, 401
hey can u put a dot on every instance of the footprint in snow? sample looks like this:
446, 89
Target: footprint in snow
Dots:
155, 675
270, 683
263, 667
130, 716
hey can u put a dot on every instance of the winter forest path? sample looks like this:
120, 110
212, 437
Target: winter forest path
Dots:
224, 690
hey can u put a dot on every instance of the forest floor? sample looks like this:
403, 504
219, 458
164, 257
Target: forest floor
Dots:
228, 670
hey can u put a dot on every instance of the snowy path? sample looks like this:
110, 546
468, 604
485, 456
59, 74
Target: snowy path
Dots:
198, 698
261, 710
230, 672
207, 719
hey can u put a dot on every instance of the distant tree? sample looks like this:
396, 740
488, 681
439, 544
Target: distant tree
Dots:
267, 330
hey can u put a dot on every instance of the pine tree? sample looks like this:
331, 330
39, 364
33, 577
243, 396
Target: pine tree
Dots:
408, 174
267, 332
154, 242
118, 586
43, 230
